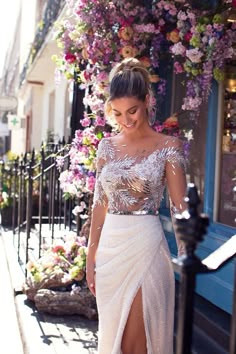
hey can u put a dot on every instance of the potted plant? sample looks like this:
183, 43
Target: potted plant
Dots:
56, 282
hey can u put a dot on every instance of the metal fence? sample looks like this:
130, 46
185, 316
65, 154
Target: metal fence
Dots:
36, 199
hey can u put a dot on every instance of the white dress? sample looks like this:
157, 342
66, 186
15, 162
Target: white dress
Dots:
132, 251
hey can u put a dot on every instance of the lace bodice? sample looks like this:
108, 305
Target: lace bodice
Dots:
135, 184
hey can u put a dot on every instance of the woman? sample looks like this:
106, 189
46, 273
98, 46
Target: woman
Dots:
133, 281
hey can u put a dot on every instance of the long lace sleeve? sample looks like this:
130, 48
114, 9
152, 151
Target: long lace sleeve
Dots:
176, 182
100, 197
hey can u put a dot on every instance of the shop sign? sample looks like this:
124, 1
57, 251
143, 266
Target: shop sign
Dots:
14, 122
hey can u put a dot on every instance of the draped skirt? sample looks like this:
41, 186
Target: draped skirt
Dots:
133, 254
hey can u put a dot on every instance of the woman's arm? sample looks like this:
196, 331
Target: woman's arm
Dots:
176, 183
98, 217
99, 209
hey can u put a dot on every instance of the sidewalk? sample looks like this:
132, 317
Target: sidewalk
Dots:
23, 330
10, 337
26, 331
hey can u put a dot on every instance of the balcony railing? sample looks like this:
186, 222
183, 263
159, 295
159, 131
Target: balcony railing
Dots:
50, 14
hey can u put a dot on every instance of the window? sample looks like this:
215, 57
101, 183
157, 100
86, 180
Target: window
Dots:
227, 177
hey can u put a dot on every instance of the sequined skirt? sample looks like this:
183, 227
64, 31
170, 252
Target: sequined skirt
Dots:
132, 254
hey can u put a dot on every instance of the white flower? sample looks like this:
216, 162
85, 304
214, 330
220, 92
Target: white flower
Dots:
5, 196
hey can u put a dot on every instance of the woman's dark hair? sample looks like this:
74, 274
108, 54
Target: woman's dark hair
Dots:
129, 79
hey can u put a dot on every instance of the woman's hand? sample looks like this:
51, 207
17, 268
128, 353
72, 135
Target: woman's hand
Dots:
90, 277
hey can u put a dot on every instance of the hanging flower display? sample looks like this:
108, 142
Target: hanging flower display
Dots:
194, 35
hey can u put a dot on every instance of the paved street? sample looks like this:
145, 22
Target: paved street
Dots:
39, 332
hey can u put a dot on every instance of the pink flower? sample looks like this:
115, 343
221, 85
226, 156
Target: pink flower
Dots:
178, 68
100, 121
90, 183
102, 76
191, 103
178, 49
182, 15
194, 55
85, 122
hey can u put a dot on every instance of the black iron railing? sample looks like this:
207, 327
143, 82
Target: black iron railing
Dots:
51, 13
191, 227
37, 200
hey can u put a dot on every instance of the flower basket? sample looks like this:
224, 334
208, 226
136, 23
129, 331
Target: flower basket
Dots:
66, 303
56, 281
30, 287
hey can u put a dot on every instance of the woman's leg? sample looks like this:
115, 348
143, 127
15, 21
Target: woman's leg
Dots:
134, 337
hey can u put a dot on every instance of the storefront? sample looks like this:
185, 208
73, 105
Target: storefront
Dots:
184, 45
212, 167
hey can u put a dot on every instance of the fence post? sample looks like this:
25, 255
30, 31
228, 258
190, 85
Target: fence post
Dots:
29, 207
15, 165
42, 164
53, 194
190, 228
20, 196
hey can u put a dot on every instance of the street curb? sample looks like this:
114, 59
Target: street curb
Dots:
9, 313
15, 271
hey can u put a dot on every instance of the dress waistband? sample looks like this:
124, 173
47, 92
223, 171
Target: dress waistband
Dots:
134, 212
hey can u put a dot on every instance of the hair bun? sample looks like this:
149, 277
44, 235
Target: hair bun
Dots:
129, 64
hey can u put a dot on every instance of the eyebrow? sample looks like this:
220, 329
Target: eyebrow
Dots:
127, 109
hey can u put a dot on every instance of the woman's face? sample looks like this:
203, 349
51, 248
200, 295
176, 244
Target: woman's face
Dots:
129, 113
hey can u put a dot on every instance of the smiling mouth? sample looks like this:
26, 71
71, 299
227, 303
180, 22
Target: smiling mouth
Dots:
129, 125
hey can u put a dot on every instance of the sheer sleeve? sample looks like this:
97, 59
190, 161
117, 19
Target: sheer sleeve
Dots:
100, 198
176, 181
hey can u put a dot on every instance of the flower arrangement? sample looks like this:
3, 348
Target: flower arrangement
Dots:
56, 282
62, 265
6, 181
198, 37
195, 36
79, 178
169, 127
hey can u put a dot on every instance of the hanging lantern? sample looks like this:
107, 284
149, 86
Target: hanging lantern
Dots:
205, 5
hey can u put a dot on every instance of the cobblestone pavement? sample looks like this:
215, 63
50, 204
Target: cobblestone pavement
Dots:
26, 331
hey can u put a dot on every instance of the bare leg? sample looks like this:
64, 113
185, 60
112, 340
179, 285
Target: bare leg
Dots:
134, 337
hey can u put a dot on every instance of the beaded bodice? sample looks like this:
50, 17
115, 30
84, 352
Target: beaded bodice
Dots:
134, 183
